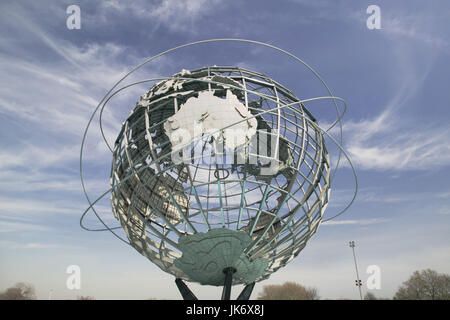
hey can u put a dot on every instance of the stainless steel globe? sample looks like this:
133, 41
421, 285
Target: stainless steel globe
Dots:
224, 168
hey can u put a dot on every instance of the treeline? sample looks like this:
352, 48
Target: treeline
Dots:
421, 285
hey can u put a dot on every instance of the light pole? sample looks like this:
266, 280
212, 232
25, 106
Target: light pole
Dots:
358, 281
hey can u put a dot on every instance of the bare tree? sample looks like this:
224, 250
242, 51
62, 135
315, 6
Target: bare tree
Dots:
425, 285
20, 291
288, 291
370, 296
85, 298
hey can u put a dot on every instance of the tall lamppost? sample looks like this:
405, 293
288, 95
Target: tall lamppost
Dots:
358, 281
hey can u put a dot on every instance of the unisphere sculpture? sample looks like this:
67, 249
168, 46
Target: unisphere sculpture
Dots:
220, 176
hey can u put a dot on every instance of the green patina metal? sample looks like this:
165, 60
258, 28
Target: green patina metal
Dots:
206, 255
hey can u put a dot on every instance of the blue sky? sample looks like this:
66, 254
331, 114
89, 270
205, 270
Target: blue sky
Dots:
396, 130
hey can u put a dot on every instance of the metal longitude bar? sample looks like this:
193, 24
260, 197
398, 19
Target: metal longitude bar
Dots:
220, 202
266, 191
241, 208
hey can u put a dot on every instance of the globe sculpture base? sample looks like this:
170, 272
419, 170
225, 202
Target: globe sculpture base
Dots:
206, 256
187, 294
217, 258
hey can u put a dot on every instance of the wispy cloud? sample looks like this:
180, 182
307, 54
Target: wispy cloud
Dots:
414, 27
413, 150
444, 195
361, 222
420, 26
393, 139
175, 15
29, 245
443, 210
20, 181
9, 226
25, 207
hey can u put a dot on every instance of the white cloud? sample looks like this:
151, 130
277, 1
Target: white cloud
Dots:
407, 155
443, 210
28, 154
400, 25
410, 26
52, 102
29, 245
8, 226
390, 140
393, 139
444, 195
383, 195
381, 147
15, 208
362, 222
176, 15
19, 181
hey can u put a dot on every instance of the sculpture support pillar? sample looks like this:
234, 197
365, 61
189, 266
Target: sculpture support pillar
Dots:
247, 292
226, 293
186, 293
